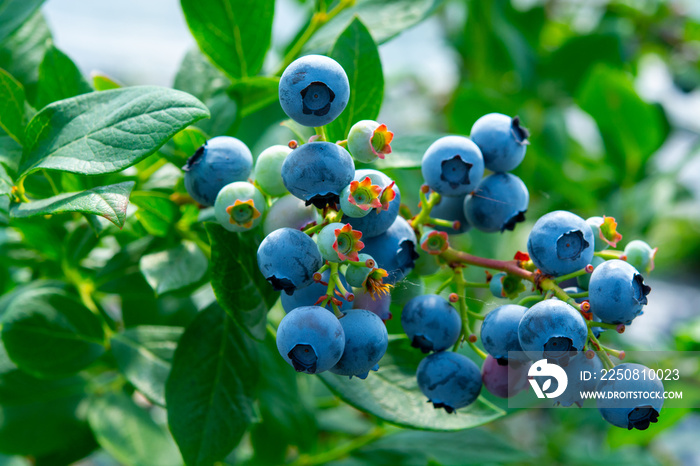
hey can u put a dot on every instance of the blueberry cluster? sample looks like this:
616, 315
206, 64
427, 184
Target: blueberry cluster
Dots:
334, 245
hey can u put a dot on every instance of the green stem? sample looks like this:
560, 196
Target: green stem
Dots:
342, 451
51, 183
321, 133
607, 255
530, 299
603, 355
313, 229
464, 314
18, 191
583, 294
593, 323
426, 205
568, 276
476, 285
440, 222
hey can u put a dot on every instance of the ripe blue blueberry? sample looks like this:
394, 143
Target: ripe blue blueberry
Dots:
578, 379
498, 203
449, 380
617, 292
317, 172
366, 341
268, 170
291, 212
309, 295
452, 166
631, 413
426, 264
553, 330
380, 305
504, 380
499, 332
431, 323
288, 259
560, 243
640, 255
377, 222
310, 339
502, 141
239, 206
394, 250
314, 90
451, 208
220, 161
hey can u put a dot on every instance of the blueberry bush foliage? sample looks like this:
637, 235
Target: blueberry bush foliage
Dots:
140, 323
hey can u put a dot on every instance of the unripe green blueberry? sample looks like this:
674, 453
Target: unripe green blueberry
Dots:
368, 140
339, 242
640, 255
268, 170
356, 275
239, 206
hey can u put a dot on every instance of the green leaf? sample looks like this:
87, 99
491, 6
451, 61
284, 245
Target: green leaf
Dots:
357, 53
407, 151
102, 82
385, 20
5, 182
106, 201
59, 78
209, 393
49, 334
15, 12
392, 394
240, 288
10, 152
235, 34
144, 354
157, 213
476, 446
12, 101
107, 131
128, 432
255, 93
632, 129
175, 268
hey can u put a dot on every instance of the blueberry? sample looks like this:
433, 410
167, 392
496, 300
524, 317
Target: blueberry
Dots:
583, 281
314, 90
498, 203
553, 330
366, 341
317, 172
310, 339
220, 161
338, 242
268, 170
356, 275
368, 140
502, 141
449, 380
504, 380
640, 255
576, 373
309, 295
452, 166
617, 292
425, 264
631, 413
560, 243
378, 304
499, 332
288, 259
289, 211
376, 223
394, 250
431, 323
451, 208
239, 206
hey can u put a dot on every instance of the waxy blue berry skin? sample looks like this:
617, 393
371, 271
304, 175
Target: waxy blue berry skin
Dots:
309, 295
366, 341
498, 203
552, 330
576, 371
314, 90
449, 380
374, 224
452, 166
617, 292
431, 323
560, 243
310, 339
316, 172
504, 380
452, 209
288, 259
499, 332
220, 161
631, 413
379, 305
394, 250
502, 141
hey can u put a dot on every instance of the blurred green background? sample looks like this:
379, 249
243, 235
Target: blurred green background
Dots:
610, 91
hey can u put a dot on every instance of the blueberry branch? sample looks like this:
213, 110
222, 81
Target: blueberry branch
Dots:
466, 333
601, 352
